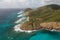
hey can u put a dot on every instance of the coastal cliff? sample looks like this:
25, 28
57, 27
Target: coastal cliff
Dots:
46, 17
51, 25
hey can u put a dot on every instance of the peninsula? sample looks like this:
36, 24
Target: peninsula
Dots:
46, 17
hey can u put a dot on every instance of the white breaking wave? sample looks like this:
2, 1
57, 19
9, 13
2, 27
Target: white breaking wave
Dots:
20, 12
20, 20
18, 29
20, 15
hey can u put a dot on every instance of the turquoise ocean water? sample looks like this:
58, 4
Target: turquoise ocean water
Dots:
7, 22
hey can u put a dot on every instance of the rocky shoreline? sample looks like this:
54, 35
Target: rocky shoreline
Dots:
18, 29
45, 25
47, 17
36, 23
51, 25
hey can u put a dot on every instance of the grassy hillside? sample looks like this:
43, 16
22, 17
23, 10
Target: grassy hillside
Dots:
48, 13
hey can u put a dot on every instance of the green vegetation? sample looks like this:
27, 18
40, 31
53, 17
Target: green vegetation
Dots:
49, 13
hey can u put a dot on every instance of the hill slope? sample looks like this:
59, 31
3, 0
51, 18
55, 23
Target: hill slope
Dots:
48, 13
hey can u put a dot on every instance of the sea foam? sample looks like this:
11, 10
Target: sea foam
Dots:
17, 27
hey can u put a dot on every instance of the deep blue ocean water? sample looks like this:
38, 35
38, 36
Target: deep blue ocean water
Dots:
7, 19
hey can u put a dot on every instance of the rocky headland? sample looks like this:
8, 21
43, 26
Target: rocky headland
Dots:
46, 17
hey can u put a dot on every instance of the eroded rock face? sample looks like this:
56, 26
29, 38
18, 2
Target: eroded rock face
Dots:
30, 26
45, 25
43, 18
51, 25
